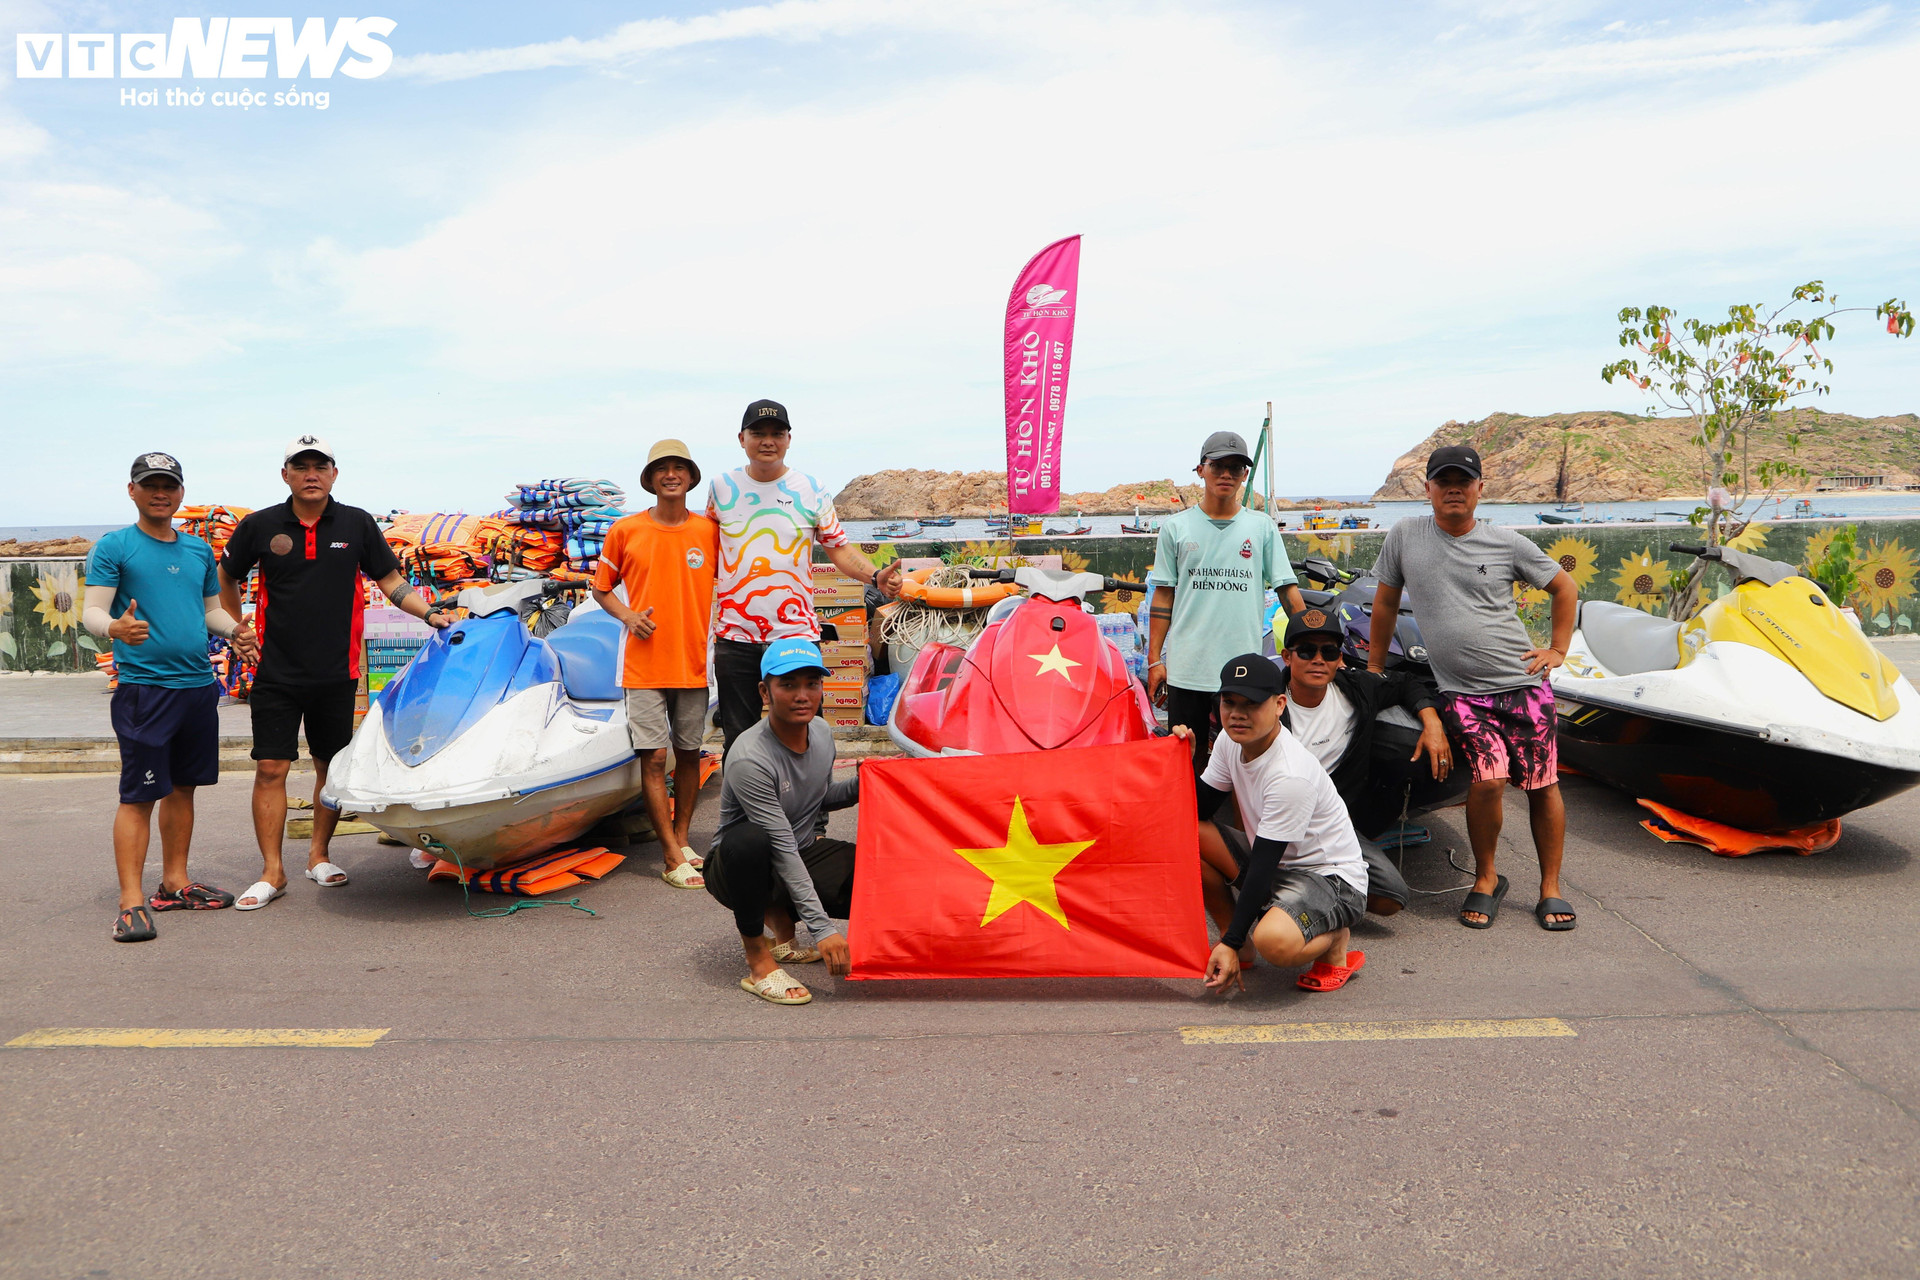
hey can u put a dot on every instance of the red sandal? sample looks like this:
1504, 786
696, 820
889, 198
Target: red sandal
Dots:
1327, 977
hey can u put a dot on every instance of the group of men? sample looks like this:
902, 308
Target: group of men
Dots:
1291, 742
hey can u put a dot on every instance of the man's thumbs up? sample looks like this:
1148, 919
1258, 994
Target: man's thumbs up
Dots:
127, 628
643, 623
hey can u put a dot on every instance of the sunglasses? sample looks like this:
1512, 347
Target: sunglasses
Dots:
1325, 652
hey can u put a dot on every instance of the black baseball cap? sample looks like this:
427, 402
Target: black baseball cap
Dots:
1253, 676
1225, 444
1461, 456
763, 413
1313, 620
156, 464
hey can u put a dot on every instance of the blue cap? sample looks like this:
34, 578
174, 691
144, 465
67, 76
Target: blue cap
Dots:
795, 654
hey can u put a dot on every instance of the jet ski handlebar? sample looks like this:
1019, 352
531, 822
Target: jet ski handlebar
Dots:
1050, 582
1682, 548
1743, 566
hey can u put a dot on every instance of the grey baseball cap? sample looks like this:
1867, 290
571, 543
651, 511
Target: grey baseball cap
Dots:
1225, 444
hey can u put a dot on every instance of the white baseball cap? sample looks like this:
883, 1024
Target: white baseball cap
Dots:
308, 444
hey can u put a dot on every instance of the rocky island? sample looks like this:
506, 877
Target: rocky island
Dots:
894, 495
1622, 457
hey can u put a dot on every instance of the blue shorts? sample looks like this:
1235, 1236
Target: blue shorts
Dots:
168, 738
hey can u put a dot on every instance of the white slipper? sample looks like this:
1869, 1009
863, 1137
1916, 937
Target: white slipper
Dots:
323, 875
685, 876
788, 953
774, 988
697, 861
421, 861
262, 893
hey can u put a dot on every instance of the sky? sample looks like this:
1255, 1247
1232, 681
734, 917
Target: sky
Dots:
551, 234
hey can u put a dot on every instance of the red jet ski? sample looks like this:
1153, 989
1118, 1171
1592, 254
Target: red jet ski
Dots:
1039, 676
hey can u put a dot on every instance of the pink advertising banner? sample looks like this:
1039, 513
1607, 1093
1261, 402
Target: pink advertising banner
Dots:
1039, 351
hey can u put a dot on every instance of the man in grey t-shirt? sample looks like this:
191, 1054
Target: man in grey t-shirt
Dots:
1494, 696
765, 864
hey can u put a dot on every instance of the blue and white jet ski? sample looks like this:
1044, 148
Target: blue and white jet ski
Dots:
493, 742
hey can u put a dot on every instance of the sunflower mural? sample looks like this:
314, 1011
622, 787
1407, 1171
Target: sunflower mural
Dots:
1886, 572
1642, 581
1752, 538
9, 651
58, 590
1817, 547
1335, 547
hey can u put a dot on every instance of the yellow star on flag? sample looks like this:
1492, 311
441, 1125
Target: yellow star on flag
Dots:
1055, 661
1022, 870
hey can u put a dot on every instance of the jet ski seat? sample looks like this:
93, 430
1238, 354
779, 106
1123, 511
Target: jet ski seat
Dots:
1627, 641
589, 649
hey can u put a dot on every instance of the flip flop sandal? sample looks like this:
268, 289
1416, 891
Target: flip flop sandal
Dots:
685, 876
194, 897
1553, 907
787, 953
323, 875
774, 987
134, 925
1331, 977
692, 857
1487, 904
262, 893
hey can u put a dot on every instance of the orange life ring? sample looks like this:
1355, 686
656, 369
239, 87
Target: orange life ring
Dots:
913, 586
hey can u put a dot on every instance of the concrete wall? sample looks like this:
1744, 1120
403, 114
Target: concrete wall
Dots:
40, 629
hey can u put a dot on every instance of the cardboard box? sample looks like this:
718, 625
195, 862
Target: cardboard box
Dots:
846, 655
844, 719
843, 695
828, 578
850, 623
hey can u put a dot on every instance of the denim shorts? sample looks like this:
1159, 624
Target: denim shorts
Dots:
1317, 904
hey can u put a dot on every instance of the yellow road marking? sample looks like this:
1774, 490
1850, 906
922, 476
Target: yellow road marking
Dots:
199, 1038
1449, 1029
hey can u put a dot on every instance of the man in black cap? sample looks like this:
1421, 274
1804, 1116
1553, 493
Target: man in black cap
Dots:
1331, 710
770, 516
1296, 860
1209, 579
1494, 697
311, 552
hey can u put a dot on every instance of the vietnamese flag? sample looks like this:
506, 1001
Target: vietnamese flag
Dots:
1081, 862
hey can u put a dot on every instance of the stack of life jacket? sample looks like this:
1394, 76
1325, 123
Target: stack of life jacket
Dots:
543, 873
443, 553
580, 511
214, 524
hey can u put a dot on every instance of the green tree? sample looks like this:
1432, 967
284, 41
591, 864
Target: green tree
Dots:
1836, 572
1731, 376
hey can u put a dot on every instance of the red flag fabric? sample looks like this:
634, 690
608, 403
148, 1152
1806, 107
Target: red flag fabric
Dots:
1081, 862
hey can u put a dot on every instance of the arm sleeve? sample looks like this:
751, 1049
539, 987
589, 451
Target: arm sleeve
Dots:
376, 557
1256, 890
1387, 566
756, 791
243, 550
1532, 562
1208, 800
1166, 567
1279, 565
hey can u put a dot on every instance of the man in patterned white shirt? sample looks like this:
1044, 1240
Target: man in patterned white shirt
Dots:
770, 516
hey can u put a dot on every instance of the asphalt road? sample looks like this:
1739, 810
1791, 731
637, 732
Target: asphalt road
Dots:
566, 1095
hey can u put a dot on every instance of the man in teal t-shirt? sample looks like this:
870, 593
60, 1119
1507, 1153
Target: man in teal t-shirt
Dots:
153, 591
1210, 578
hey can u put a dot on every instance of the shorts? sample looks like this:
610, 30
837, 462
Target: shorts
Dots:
1506, 735
659, 718
279, 709
1316, 903
1200, 712
168, 738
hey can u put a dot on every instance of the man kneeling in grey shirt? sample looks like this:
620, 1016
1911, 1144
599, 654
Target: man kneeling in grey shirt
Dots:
765, 865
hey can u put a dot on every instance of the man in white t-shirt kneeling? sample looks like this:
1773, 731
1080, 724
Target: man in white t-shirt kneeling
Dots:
1297, 864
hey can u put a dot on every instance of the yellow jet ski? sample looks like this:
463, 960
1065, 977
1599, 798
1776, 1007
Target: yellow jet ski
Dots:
1769, 711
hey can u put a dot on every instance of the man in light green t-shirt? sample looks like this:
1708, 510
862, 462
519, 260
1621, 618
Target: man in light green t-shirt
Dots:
1210, 579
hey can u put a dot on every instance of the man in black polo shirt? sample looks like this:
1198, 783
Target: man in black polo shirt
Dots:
311, 552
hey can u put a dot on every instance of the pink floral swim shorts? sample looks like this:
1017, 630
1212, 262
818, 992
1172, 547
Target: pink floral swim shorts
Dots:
1505, 735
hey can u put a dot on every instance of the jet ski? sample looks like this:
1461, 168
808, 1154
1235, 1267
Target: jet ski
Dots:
495, 743
1038, 676
1768, 712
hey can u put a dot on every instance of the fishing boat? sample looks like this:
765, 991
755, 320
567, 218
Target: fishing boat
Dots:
1137, 525
897, 529
937, 522
1014, 526
1354, 522
1080, 528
